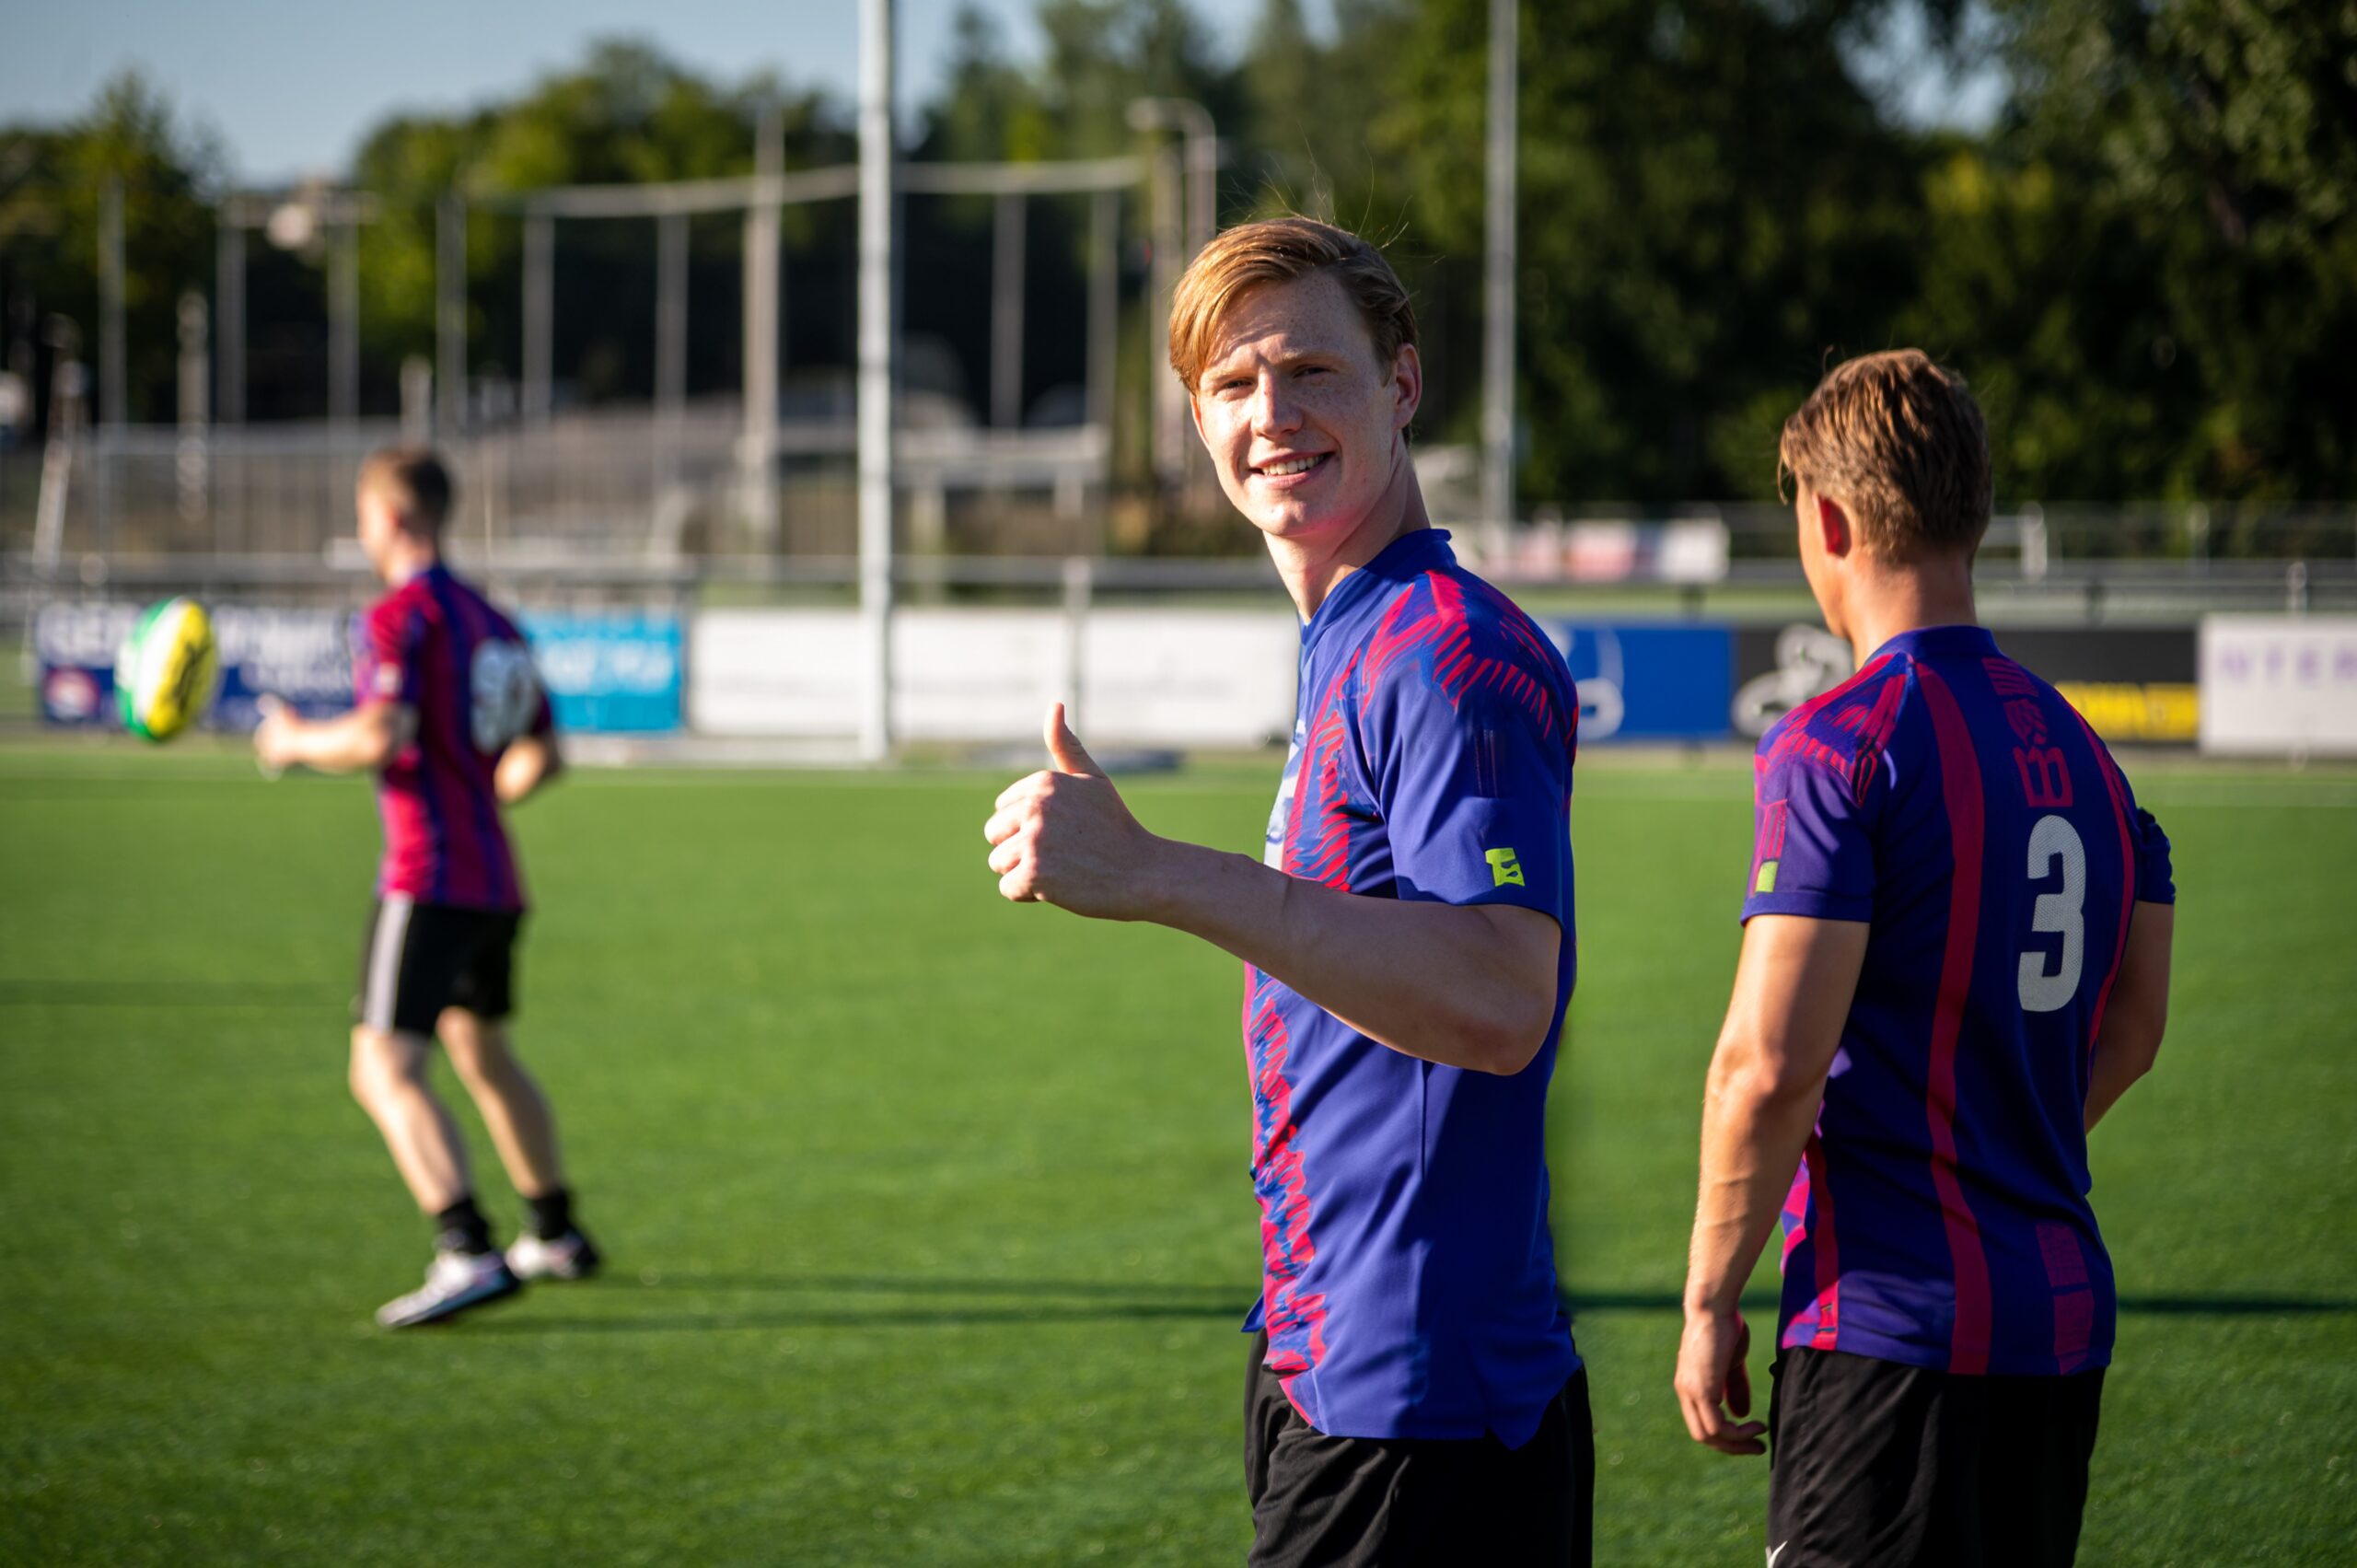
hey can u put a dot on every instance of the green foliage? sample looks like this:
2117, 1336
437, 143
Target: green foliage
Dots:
52, 185
2147, 264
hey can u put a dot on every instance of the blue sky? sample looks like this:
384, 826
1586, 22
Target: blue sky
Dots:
292, 84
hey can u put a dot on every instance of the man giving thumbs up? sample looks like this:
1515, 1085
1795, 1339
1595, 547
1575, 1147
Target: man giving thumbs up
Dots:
1414, 1394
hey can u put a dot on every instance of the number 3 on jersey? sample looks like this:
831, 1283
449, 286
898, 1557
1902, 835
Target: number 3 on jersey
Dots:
506, 694
2052, 839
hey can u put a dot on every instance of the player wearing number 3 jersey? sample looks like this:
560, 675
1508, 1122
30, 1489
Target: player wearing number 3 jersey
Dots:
1955, 960
453, 719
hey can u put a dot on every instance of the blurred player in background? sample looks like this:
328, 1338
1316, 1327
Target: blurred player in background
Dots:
1412, 1394
1955, 959
451, 716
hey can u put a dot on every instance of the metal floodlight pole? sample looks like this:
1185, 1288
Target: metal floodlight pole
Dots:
450, 311
1104, 287
229, 313
343, 317
671, 340
1497, 286
876, 215
757, 449
539, 316
1009, 210
113, 394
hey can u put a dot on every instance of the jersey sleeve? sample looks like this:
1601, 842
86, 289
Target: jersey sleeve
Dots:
2155, 878
1475, 788
385, 649
1813, 847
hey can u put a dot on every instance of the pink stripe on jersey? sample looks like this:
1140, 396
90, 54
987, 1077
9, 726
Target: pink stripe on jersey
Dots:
2127, 881
1960, 792
1821, 1233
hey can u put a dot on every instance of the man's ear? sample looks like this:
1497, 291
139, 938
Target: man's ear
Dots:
1407, 386
1834, 529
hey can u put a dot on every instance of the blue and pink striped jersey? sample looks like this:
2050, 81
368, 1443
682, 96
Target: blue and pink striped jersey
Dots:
1954, 801
1409, 1278
440, 647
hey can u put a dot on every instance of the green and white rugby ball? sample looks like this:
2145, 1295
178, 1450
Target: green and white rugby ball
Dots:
167, 670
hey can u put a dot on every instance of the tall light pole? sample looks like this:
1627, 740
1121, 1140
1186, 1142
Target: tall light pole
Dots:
876, 413
1497, 284
1171, 253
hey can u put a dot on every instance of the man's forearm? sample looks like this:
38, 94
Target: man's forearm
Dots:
346, 744
1444, 983
1752, 1141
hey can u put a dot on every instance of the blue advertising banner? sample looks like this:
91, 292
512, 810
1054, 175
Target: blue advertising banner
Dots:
609, 672
606, 671
1665, 682
302, 655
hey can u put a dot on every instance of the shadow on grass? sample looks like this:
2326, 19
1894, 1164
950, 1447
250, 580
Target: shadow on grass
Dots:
1018, 1302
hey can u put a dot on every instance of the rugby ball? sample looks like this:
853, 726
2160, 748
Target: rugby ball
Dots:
167, 670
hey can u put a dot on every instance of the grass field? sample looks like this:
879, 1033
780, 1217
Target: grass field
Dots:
929, 1215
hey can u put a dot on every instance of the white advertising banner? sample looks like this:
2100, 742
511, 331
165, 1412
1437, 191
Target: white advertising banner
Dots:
2278, 684
1148, 676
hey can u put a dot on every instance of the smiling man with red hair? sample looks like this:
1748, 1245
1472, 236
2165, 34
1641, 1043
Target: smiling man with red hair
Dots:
1412, 1394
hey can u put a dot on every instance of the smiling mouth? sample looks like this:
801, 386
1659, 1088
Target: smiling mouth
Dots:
1289, 467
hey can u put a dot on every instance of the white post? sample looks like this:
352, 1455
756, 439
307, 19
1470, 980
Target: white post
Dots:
876, 335
1498, 301
113, 391
670, 345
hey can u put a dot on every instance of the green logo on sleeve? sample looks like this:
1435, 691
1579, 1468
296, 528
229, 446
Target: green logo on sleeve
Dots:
1503, 867
1766, 883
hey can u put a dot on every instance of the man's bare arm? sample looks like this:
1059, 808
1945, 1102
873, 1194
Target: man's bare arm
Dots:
1792, 989
368, 737
2137, 1012
530, 764
1464, 985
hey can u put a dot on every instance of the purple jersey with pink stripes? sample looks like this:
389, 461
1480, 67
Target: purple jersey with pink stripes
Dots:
1409, 1278
438, 646
1955, 803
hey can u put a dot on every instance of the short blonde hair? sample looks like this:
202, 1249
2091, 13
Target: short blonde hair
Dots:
1898, 441
415, 479
1279, 251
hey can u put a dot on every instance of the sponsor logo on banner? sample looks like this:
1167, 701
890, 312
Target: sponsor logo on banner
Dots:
2279, 685
609, 672
301, 655
1660, 684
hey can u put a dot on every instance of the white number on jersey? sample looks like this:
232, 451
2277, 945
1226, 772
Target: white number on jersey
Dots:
506, 694
2052, 840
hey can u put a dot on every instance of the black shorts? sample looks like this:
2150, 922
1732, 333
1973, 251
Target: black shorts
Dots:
1395, 1502
1903, 1466
420, 958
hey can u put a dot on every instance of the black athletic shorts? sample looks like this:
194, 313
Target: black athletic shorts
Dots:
420, 958
1877, 1463
1404, 1502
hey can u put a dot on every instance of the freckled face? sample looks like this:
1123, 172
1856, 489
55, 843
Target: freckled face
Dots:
1304, 425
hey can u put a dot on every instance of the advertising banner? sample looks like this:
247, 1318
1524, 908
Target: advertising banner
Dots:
1149, 676
1666, 682
2279, 685
2134, 684
609, 672
302, 655
604, 670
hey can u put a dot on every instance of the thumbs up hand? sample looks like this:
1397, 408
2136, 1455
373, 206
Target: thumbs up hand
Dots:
1063, 836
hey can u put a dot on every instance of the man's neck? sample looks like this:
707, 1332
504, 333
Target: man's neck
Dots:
410, 563
1909, 599
1312, 570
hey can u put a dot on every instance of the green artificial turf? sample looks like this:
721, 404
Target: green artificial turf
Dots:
928, 1215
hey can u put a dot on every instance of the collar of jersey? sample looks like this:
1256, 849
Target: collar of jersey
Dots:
1940, 641
1410, 556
